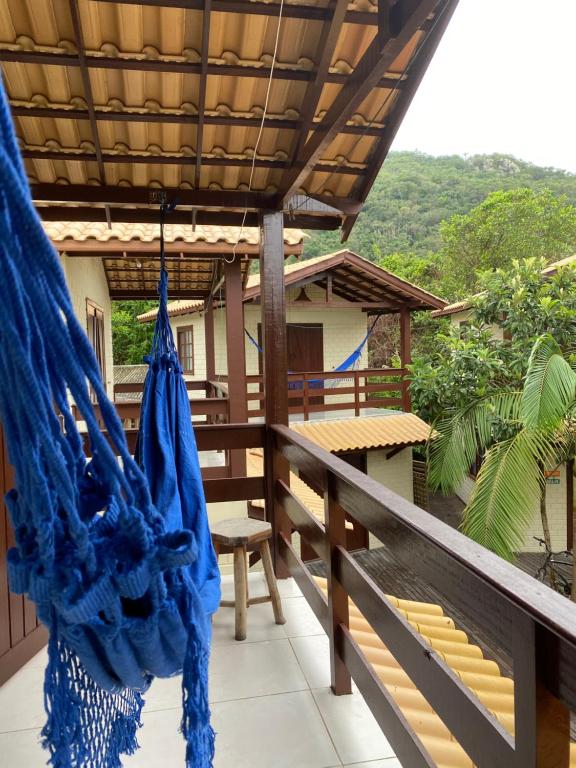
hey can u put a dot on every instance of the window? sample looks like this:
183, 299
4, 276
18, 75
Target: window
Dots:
95, 329
186, 348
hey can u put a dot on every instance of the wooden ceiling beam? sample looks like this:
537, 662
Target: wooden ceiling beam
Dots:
120, 195
223, 218
191, 160
416, 71
103, 115
256, 8
47, 58
372, 66
87, 85
202, 90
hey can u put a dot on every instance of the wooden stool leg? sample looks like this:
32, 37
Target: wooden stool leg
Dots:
240, 592
272, 585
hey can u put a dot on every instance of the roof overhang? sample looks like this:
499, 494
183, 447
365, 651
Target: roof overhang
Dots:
353, 278
120, 104
130, 254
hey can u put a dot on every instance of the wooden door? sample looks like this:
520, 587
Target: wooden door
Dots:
305, 343
305, 349
21, 635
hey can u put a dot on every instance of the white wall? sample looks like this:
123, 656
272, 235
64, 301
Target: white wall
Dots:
396, 474
344, 328
86, 280
464, 316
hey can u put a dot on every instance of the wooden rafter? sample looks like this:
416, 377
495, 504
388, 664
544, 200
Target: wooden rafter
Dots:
202, 90
371, 67
103, 114
326, 47
87, 85
47, 58
417, 70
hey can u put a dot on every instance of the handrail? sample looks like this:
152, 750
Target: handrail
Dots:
536, 625
138, 387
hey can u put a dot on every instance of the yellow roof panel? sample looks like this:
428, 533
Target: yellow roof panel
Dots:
340, 435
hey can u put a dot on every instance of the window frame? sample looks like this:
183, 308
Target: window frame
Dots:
94, 310
185, 329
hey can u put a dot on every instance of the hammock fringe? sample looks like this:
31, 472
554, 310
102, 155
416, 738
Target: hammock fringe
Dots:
87, 727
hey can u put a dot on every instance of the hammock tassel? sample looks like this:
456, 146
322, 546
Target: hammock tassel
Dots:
195, 726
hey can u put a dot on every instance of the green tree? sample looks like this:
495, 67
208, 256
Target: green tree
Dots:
506, 226
520, 434
415, 192
131, 339
490, 353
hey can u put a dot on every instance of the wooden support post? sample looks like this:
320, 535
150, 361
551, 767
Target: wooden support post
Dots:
570, 504
337, 598
275, 369
542, 722
209, 340
405, 355
356, 393
236, 357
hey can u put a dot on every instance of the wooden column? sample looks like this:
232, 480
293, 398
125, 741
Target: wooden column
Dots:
209, 340
236, 357
405, 354
570, 504
275, 368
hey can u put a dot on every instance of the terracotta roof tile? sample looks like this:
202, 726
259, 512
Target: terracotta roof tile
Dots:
80, 231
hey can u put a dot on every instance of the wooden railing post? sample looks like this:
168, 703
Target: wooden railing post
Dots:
275, 368
357, 393
338, 613
542, 722
305, 397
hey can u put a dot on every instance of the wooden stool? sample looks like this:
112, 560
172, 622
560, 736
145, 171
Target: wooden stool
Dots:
238, 535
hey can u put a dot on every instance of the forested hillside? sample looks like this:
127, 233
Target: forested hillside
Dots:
436, 222
415, 192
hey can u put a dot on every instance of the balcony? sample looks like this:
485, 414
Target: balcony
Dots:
311, 395
498, 694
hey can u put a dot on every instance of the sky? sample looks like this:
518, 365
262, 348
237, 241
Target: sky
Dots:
502, 80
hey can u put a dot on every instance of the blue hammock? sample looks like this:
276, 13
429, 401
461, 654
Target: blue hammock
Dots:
123, 586
348, 364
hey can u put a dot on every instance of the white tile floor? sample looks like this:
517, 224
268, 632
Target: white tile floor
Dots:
270, 699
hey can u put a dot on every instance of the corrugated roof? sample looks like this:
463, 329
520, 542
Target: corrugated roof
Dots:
480, 675
341, 435
311, 500
177, 97
98, 231
459, 306
130, 374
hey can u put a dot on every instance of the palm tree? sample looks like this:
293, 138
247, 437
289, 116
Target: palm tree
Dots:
519, 435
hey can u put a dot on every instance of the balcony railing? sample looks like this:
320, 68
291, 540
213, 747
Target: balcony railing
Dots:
524, 619
324, 391
212, 406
